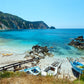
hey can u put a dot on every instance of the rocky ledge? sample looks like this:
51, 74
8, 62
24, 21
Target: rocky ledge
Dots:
78, 42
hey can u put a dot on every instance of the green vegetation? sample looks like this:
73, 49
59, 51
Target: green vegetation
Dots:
8, 74
80, 80
23, 78
15, 22
82, 77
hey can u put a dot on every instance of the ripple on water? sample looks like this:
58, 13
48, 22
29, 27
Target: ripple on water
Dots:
58, 39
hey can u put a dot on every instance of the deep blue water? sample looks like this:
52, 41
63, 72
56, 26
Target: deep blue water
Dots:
56, 38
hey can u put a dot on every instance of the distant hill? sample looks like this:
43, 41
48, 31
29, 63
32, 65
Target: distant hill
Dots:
12, 22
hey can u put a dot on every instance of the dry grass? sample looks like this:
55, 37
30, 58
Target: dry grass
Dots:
30, 79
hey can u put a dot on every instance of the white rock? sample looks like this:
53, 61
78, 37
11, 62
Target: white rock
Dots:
41, 54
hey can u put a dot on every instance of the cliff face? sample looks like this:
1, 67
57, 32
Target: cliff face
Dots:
8, 21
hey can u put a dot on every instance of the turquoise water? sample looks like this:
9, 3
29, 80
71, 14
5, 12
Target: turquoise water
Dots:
58, 39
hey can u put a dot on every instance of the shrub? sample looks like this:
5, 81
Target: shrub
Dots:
5, 74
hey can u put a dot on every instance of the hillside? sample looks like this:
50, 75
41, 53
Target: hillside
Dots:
12, 22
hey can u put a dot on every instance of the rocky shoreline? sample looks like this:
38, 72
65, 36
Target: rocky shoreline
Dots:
78, 42
38, 52
46, 59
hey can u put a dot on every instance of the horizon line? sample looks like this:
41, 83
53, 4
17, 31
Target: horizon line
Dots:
68, 28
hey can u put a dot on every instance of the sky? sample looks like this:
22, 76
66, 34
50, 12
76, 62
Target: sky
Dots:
58, 13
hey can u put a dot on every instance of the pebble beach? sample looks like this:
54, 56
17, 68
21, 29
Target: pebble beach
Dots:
66, 68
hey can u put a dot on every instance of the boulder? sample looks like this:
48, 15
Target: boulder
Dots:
40, 49
80, 38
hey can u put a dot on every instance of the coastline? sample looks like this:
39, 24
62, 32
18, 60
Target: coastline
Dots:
19, 47
66, 68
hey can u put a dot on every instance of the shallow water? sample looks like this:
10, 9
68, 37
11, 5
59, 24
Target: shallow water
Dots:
21, 41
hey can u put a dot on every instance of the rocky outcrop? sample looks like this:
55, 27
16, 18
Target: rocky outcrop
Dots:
78, 42
52, 27
12, 22
38, 51
80, 38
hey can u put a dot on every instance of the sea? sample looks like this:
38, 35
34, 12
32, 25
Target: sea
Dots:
20, 41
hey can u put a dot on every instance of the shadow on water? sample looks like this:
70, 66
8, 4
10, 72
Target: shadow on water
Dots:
75, 73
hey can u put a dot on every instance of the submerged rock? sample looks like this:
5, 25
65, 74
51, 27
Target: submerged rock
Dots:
77, 42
